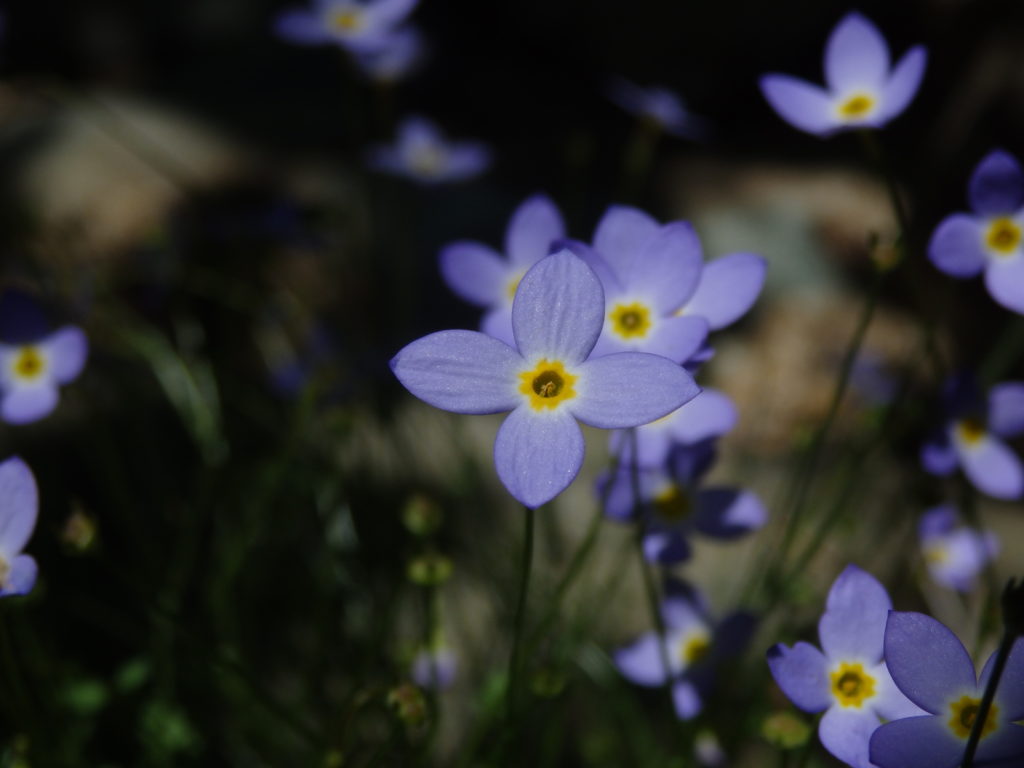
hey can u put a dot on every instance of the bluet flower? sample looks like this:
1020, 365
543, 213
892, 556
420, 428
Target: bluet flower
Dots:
395, 58
660, 106
954, 554
434, 668
421, 153
19, 505
359, 26
31, 372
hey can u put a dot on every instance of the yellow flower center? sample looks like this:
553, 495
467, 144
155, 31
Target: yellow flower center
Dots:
513, 285
671, 503
970, 431
936, 554
547, 385
963, 714
851, 685
630, 321
348, 20
1003, 235
427, 160
28, 363
858, 106
5, 572
694, 648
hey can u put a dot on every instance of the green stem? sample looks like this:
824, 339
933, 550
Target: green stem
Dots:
524, 585
986, 700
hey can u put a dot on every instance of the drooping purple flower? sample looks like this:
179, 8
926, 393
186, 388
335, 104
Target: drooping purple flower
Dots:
658, 105
30, 373
972, 435
548, 381
19, 505
990, 238
954, 554
422, 154
358, 26
434, 668
863, 91
695, 646
933, 669
849, 681
482, 276
397, 56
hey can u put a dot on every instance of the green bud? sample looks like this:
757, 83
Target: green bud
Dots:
785, 730
408, 703
429, 570
422, 516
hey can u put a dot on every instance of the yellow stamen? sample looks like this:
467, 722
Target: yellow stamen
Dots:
963, 714
630, 321
28, 363
851, 685
936, 554
512, 286
671, 503
1003, 235
427, 161
858, 106
348, 20
970, 431
547, 385
694, 648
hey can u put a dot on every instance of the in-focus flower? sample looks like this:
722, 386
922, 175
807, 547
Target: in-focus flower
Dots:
395, 58
421, 153
849, 681
434, 668
930, 665
481, 276
990, 239
658, 105
954, 554
19, 505
31, 372
863, 92
546, 381
359, 26
694, 647
972, 437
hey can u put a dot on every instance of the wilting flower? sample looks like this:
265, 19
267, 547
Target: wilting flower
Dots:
930, 665
692, 645
863, 92
972, 437
849, 681
19, 505
396, 57
359, 26
954, 554
421, 153
479, 274
31, 372
989, 239
434, 668
659, 106
546, 381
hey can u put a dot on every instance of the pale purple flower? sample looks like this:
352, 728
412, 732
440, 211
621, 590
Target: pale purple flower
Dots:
863, 91
660, 106
482, 276
546, 380
931, 666
434, 668
19, 505
30, 373
849, 681
358, 26
954, 554
421, 153
397, 56
990, 238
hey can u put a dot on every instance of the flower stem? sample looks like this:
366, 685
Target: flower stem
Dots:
1002, 654
524, 585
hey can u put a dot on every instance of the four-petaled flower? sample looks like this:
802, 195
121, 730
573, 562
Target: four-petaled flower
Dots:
954, 554
990, 239
658, 105
849, 681
421, 153
931, 666
19, 505
546, 381
359, 26
31, 372
862, 91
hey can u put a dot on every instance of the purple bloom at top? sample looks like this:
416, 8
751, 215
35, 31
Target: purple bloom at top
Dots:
358, 26
931, 666
396, 57
30, 372
863, 90
972, 437
848, 679
481, 276
19, 505
422, 154
954, 554
548, 381
989, 239
434, 668
658, 105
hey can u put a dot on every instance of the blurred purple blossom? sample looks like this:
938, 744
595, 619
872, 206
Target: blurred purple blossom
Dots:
954, 554
19, 505
422, 154
658, 105
358, 26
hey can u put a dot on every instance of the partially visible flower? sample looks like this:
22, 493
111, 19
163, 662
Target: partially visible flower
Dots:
972, 434
708, 749
693, 646
359, 26
658, 105
19, 505
849, 681
421, 153
31, 372
481, 276
434, 668
863, 92
989, 239
395, 58
931, 666
547, 381
954, 554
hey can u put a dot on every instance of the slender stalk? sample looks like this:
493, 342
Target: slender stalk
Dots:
524, 585
986, 700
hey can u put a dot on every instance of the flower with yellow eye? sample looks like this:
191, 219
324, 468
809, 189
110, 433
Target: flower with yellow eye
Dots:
422, 154
19, 505
991, 238
359, 26
863, 91
954, 554
31, 372
849, 680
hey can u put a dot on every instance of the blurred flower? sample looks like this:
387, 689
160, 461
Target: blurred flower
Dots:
659, 105
397, 56
547, 381
972, 437
954, 555
421, 153
429, 570
358, 26
408, 703
708, 749
19, 505
785, 730
79, 531
863, 92
30, 373
990, 239
421, 515
694, 646
478, 274
930, 665
434, 668
849, 681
